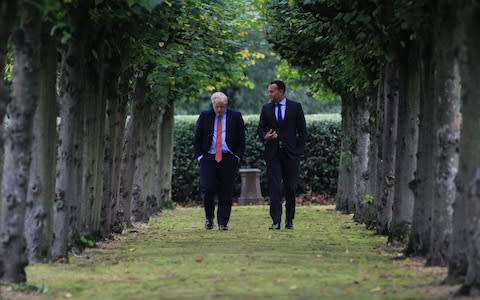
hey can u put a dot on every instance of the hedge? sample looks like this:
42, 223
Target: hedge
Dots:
318, 169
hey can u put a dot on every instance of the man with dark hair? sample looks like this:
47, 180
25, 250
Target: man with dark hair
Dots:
282, 129
219, 144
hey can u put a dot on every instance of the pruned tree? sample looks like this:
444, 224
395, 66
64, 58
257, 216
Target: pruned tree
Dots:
18, 155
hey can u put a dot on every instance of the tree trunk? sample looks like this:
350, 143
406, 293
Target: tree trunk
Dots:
67, 188
422, 186
346, 189
144, 197
406, 149
158, 147
18, 153
109, 175
41, 189
446, 133
153, 193
471, 286
469, 172
375, 157
127, 168
361, 128
119, 131
391, 98
140, 178
8, 14
92, 150
166, 155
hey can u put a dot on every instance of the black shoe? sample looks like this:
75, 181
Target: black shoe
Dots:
275, 226
222, 227
289, 225
208, 224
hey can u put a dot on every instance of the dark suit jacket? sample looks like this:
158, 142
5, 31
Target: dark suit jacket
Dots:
235, 134
292, 132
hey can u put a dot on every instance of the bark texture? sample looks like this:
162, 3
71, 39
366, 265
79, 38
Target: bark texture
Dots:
8, 13
422, 186
446, 131
345, 192
41, 189
67, 186
391, 97
119, 131
26, 40
367, 211
93, 124
407, 138
457, 263
110, 172
129, 156
165, 157
470, 147
360, 155
142, 170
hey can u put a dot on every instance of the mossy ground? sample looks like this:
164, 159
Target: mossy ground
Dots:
326, 256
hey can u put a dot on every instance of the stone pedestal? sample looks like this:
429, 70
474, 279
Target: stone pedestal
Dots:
250, 192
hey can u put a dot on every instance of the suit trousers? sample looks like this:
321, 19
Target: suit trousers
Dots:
282, 175
217, 179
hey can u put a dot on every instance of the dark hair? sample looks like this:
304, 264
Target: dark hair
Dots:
280, 85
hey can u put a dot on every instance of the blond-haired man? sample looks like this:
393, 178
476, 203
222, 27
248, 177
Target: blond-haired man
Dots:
219, 144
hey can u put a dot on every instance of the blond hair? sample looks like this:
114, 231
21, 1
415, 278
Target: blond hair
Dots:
219, 97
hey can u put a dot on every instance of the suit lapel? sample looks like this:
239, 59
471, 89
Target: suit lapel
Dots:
210, 122
287, 111
228, 122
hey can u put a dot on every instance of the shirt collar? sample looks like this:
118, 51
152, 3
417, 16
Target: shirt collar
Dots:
283, 102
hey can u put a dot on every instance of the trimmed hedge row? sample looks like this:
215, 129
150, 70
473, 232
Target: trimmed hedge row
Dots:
318, 170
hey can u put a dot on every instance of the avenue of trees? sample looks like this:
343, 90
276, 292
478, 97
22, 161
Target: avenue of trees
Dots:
407, 73
110, 71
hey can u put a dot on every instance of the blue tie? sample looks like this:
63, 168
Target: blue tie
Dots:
279, 114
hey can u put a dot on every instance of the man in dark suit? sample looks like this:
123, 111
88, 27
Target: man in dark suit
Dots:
283, 131
219, 145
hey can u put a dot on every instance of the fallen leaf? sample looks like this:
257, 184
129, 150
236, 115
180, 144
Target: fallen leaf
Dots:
407, 262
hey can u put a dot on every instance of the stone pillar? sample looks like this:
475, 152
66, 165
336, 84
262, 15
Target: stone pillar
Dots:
250, 190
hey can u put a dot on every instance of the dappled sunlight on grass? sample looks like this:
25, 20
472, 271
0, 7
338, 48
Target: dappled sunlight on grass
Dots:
327, 256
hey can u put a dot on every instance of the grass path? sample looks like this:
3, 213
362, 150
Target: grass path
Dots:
327, 256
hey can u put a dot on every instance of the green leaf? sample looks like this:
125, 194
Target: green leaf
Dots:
348, 17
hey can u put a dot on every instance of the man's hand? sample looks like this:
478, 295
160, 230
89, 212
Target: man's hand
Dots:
270, 135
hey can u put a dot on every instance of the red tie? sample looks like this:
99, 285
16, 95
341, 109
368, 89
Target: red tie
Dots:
218, 143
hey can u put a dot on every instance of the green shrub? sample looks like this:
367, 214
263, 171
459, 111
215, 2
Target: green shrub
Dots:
318, 170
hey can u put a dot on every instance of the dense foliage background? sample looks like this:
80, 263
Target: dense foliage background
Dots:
318, 172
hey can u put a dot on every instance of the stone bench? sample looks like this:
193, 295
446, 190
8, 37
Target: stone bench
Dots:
250, 192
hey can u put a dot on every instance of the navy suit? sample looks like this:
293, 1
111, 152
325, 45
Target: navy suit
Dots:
282, 155
218, 178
